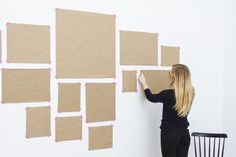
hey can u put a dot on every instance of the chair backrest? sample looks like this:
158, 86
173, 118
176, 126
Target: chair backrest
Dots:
209, 144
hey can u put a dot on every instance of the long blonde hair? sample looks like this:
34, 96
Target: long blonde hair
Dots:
184, 92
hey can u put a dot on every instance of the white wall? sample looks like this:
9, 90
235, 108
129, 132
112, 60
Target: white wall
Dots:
229, 75
194, 25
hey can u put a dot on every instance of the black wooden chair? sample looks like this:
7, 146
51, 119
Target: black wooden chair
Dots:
209, 144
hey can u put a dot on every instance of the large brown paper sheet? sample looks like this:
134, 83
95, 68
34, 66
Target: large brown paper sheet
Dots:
157, 80
38, 121
129, 81
69, 97
68, 128
169, 55
100, 137
25, 85
138, 48
28, 43
85, 44
100, 102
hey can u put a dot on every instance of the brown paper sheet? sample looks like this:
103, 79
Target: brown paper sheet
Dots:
25, 85
28, 43
100, 102
138, 48
100, 137
85, 44
38, 121
169, 55
69, 97
157, 80
68, 128
129, 81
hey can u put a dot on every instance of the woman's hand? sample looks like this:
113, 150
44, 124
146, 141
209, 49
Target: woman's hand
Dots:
142, 81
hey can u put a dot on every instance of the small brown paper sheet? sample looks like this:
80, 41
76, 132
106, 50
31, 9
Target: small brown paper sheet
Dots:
100, 137
25, 85
157, 80
169, 55
28, 43
100, 102
38, 121
138, 48
69, 97
68, 128
129, 81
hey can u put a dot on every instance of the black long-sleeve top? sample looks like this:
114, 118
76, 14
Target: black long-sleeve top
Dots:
170, 118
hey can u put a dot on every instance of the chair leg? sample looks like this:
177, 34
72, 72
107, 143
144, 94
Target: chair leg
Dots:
199, 142
195, 146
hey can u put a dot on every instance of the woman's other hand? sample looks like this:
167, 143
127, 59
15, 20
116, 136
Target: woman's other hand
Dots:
142, 80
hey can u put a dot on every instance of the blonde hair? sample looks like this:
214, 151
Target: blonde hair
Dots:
184, 92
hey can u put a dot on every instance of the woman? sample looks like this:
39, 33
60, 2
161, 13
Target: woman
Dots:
177, 102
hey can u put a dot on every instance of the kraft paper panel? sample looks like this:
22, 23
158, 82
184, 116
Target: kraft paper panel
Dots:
157, 80
69, 97
169, 55
100, 102
38, 121
0, 46
25, 85
100, 137
68, 128
28, 43
129, 81
138, 48
85, 44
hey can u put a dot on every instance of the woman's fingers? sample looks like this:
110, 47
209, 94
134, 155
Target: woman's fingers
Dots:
141, 78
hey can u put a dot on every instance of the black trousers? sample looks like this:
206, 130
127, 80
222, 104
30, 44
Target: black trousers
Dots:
175, 142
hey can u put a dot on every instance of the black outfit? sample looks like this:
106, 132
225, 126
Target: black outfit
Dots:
175, 138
